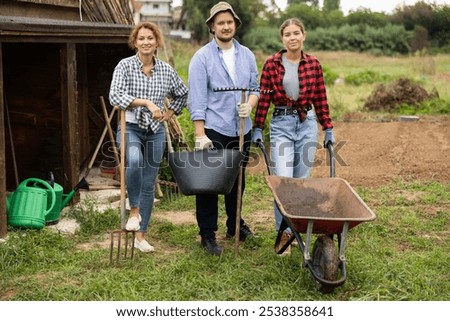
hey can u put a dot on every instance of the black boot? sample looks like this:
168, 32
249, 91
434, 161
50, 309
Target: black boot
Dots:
209, 243
243, 233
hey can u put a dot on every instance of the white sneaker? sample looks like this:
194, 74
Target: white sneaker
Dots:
133, 223
143, 246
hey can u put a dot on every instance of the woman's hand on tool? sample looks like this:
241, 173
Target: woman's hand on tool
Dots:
167, 115
257, 136
329, 137
155, 110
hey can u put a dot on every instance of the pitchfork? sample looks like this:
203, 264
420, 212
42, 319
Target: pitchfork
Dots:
122, 233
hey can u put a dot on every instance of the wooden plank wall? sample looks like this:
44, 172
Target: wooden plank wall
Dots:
69, 104
3, 217
61, 3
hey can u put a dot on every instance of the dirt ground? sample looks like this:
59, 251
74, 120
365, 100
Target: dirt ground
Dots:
375, 153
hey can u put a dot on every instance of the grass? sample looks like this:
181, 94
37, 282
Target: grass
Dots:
431, 71
402, 255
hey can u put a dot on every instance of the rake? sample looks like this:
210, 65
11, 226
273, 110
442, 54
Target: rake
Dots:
240, 176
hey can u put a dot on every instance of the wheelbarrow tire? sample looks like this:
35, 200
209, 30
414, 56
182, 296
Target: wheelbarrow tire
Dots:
325, 262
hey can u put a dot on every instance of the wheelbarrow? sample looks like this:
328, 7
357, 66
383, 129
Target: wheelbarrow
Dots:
327, 207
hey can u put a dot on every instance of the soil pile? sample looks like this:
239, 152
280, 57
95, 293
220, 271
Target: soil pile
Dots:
403, 91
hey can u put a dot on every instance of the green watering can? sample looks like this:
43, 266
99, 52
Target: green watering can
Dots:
61, 199
28, 206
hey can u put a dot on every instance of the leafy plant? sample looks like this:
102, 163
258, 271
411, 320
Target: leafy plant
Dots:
430, 107
93, 221
366, 77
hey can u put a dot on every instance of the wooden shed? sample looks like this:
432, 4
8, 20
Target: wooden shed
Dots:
56, 60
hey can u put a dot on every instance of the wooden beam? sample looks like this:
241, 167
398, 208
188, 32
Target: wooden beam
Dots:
69, 105
60, 3
83, 94
27, 29
3, 216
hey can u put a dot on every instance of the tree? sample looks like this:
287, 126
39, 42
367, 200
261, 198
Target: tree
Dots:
311, 17
198, 12
364, 16
434, 18
312, 3
331, 5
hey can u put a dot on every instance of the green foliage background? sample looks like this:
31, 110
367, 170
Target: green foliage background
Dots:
407, 29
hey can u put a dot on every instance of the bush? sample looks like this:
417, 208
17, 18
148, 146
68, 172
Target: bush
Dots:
366, 77
329, 76
388, 40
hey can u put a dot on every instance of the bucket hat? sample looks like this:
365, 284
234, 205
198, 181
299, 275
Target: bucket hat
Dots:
220, 7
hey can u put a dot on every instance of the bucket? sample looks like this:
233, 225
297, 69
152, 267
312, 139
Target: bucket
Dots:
28, 205
207, 171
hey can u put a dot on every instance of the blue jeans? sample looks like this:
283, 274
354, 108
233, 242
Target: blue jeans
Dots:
144, 153
293, 147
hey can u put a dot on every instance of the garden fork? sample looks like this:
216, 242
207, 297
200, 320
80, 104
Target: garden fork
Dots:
122, 233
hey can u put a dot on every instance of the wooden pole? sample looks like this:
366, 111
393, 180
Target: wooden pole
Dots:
99, 144
122, 169
3, 206
239, 187
110, 131
11, 141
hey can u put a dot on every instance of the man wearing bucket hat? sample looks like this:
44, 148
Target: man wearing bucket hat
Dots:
222, 63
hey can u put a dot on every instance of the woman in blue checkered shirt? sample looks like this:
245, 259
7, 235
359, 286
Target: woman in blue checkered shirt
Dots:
140, 85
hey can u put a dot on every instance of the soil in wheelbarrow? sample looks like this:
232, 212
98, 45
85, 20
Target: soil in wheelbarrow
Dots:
373, 153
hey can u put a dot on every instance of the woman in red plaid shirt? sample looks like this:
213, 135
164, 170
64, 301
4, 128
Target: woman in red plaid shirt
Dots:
293, 81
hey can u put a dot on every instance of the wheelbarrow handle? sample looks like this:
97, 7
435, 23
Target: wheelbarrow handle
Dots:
266, 156
332, 159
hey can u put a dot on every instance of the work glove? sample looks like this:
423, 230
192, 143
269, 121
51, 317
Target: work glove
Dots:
257, 136
329, 137
244, 110
203, 142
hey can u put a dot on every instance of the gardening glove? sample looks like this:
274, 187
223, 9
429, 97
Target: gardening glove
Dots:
329, 137
257, 136
244, 110
203, 142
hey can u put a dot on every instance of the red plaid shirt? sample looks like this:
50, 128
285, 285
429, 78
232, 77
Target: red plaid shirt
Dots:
312, 89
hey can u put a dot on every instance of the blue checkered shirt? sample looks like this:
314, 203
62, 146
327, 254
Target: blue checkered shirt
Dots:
130, 82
